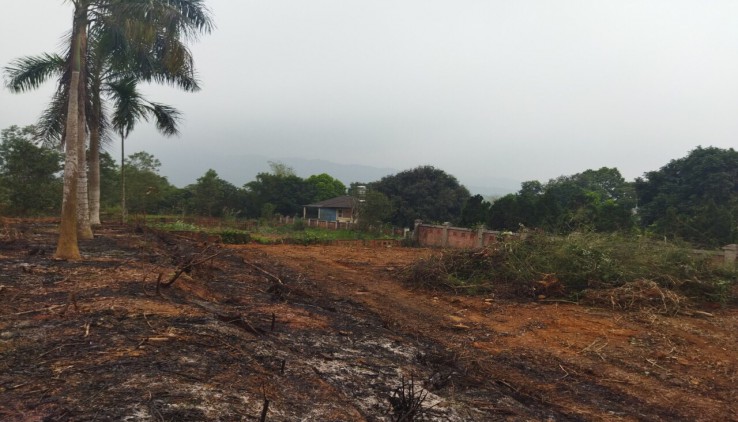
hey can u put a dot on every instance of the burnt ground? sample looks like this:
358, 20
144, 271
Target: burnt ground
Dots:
326, 333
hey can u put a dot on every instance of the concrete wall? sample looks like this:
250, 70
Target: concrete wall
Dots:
727, 256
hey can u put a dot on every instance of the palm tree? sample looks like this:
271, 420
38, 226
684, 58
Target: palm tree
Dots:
114, 58
30, 72
130, 107
138, 21
149, 35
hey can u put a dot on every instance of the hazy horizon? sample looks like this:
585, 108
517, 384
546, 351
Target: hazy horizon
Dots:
484, 90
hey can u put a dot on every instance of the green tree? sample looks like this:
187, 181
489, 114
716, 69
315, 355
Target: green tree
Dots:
109, 181
598, 200
374, 210
281, 169
212, 196
474, 212
144, 161
694, 198
504, 213
424, 193
147, 190
324, 187
282, 189
29, 174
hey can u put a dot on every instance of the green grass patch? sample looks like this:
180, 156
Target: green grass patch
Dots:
241, 232
176, 226
227, 235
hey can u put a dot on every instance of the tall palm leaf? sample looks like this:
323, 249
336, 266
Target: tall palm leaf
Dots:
29, 73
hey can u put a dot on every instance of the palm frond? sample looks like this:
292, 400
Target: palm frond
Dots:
188, 18
30, 72
167, 118
128, 106
176, 65
51, 123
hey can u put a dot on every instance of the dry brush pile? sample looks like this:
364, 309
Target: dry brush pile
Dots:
613, 270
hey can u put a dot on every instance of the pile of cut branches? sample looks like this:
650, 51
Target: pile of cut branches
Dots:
639, 295
544, 266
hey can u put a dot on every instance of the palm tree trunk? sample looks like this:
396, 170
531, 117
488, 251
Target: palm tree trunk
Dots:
84, 226
123, 211
84, 229
94, 163
94, 176
67, 248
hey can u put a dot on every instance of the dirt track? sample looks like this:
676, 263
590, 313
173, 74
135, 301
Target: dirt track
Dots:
326, 334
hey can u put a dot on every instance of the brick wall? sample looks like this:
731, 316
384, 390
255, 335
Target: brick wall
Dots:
445, 236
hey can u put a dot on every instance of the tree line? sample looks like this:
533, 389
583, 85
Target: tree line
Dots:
694, 198
27, 190
31, 184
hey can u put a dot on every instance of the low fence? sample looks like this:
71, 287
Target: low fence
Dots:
322, 224
341, 225
367, 243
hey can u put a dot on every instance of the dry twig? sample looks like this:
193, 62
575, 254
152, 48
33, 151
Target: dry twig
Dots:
187, 266
263, 271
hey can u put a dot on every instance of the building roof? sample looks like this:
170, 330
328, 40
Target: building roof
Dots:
344, 201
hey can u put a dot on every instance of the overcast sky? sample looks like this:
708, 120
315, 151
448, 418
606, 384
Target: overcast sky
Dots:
518, 89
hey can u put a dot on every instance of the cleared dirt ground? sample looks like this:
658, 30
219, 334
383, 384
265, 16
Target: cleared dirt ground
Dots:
325, 333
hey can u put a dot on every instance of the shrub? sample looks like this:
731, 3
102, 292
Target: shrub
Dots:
234, 237
299, 225
569, 265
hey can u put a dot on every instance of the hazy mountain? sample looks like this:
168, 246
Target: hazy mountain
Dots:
239, 169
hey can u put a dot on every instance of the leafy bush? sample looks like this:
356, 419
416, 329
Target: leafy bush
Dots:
299, 225
568, 265
234, 237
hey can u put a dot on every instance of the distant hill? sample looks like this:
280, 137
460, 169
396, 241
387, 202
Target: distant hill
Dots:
240, 169
243, 168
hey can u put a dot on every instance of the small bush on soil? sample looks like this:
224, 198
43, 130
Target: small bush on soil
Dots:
556, 266
177, 226
234, 237
299, 225
407, 401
